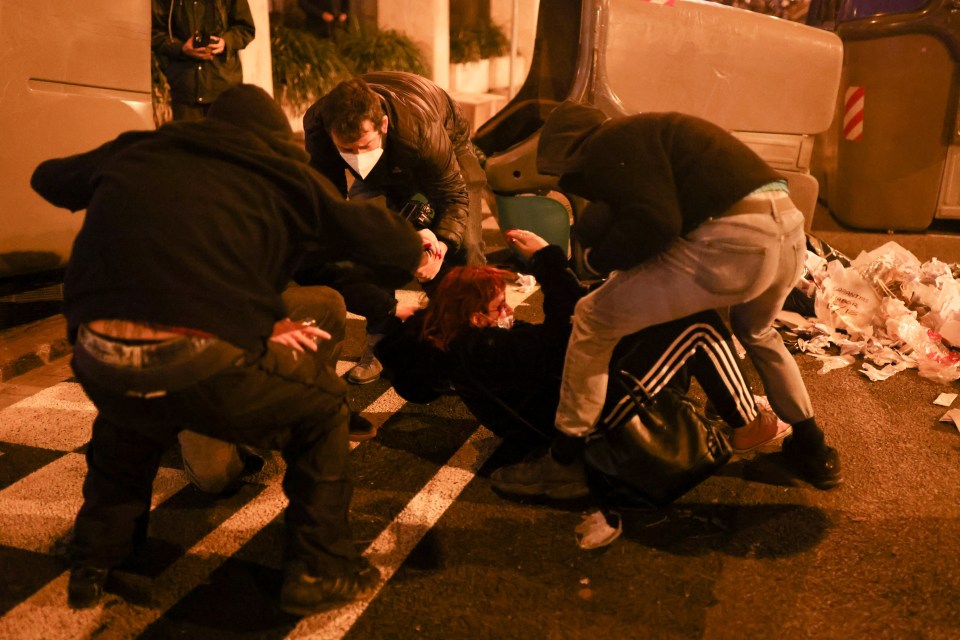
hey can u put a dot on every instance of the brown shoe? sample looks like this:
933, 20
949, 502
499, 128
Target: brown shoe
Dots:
360, 428
543, 476
304, 593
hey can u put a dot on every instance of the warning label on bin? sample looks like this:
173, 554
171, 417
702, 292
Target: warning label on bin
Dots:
853, 114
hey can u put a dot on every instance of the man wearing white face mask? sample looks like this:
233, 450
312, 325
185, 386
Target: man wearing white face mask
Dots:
396, 135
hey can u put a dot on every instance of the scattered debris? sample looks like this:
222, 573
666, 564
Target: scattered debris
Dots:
594, 531
945, 399
525, 283
885, 307
952, 416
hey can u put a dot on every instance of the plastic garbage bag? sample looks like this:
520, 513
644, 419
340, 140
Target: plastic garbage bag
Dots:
933, 358
847, 301
884, 306
887, 267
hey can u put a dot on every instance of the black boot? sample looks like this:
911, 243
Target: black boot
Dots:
86, 586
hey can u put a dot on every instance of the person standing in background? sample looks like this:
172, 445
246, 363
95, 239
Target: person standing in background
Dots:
325, 17
199, 42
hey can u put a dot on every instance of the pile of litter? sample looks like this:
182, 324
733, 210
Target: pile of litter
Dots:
885, 307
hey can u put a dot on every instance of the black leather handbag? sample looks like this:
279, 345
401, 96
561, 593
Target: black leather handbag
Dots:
661, 447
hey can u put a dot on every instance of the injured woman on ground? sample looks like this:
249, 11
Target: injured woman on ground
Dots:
508, 373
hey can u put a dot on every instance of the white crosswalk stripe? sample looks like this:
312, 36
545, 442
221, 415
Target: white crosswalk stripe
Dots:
56, 418
39, 509
396, 542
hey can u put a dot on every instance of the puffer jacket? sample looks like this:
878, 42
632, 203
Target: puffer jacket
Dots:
195, 81
426, 132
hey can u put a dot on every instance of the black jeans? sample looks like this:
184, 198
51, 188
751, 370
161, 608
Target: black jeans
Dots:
276, 399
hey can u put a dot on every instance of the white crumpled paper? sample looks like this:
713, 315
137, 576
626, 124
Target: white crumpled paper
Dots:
594, 531
526, 283
887, 308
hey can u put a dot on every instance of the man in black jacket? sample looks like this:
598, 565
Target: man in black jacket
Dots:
173, 302
398, 135
198, 42
685, 217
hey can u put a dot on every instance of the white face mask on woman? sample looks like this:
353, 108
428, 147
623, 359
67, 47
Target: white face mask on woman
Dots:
363, 163
505, 320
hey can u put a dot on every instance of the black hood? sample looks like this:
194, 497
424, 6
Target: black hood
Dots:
564, 136
251, 108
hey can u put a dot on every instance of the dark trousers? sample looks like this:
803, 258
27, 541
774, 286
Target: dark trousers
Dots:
276, 399
699, 345
189, 112
367, 291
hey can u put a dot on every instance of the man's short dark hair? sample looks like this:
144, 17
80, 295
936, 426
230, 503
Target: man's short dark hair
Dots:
347, 106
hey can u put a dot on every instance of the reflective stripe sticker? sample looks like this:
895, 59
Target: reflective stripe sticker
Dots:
853, 114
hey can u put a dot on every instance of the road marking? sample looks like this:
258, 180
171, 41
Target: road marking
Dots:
40, 508
47, 615
58, 418
394, 544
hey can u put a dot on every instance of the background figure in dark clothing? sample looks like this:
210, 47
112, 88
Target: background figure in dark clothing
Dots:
508, 374
325, 17
198, 42
173, 302
398, 135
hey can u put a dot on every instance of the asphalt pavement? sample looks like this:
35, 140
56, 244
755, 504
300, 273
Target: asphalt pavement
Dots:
750, 553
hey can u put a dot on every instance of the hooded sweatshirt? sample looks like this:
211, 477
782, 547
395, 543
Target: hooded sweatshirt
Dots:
652, 177
201, 224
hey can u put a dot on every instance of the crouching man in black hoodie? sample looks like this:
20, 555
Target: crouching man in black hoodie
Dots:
173, 303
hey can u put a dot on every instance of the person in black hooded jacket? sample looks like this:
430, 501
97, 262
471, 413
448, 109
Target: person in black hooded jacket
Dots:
173, 304
685, 218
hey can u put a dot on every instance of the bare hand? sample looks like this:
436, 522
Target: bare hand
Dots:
434, 251
526, 243
296, 335
202, 53
216, 46
404, 311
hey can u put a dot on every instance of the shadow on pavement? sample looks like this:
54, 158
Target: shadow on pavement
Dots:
754, 531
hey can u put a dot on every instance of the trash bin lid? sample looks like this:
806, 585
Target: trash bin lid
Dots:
860, 9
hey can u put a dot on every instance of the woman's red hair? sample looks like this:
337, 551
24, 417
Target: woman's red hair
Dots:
463, 292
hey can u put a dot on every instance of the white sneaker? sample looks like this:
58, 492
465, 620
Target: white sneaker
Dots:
764, 429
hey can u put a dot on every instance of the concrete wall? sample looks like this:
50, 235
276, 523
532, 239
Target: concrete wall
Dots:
255, 58
426, 22
501, 13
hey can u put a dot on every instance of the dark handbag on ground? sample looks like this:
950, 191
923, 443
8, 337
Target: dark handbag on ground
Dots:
660, 449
